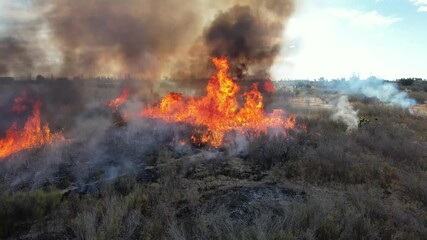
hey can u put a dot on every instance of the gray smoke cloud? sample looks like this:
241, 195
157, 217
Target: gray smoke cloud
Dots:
386, 92
344, 112
14, 54
144, 38
117, 37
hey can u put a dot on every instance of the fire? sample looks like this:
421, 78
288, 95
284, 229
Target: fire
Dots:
120, 117
219, 110
269, 87
32, 135
20, 104
116, 103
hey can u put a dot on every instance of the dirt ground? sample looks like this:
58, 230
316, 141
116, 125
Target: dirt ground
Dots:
419, 110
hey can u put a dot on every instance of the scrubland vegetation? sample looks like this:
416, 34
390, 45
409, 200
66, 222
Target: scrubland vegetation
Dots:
320, 183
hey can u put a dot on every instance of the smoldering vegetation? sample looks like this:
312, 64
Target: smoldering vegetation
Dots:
139, 179
343, 111
99, 154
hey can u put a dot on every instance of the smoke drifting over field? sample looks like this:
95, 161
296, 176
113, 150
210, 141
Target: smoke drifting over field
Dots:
145, 38
116, 37
344, 111
386, 92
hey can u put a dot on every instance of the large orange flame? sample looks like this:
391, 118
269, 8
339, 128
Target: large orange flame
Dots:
31, 136
219, 109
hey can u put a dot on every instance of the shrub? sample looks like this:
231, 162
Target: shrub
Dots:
109, 218
266, 151
19, 210
406, 81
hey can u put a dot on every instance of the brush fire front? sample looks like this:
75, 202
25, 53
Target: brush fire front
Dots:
219, 112
32, 135
210, 118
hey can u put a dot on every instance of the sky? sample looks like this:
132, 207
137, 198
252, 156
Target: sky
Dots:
330, 38
342, 38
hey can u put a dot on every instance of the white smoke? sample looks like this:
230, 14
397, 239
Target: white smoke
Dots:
344, 112
386, 92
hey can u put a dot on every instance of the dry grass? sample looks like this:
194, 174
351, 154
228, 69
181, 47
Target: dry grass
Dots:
324, 183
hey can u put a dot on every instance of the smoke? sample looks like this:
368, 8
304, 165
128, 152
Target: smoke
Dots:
248, 33
14, 53
95, 152
22, 48
343, 111
98, 37
145, 38
386, 92
118, 37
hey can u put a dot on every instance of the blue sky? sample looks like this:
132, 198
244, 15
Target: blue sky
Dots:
339, 38
325, 38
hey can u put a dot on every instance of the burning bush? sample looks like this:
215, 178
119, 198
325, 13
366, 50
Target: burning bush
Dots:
31, 136
219, 110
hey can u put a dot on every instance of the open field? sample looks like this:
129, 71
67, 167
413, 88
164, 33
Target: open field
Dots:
322, 182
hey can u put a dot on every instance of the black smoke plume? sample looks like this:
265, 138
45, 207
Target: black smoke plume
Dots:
247, 36
249, 33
